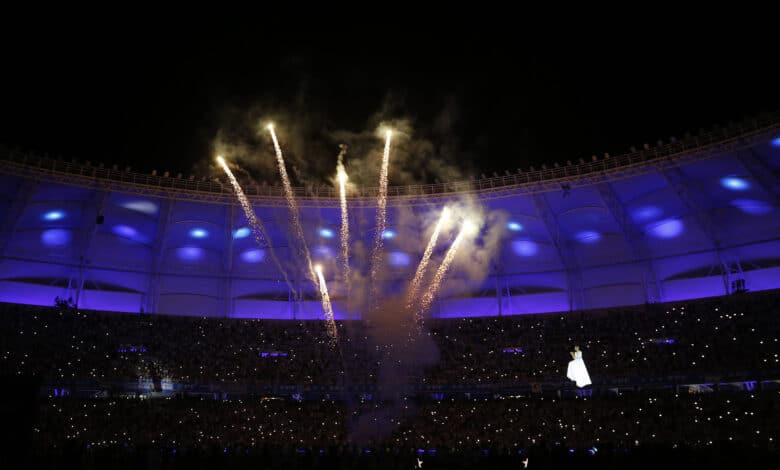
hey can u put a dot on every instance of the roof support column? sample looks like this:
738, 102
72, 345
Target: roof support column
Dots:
90, 214
761, 173
693, 196
158, 254
563, 247
227, 256
634, 236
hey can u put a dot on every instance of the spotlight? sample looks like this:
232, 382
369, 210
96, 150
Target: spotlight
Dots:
318, 268
53, 215
243, 232
199, 233
734, 183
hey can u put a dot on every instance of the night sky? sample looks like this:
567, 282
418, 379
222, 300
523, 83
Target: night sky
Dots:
483, 99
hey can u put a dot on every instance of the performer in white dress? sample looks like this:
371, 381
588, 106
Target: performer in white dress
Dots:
577, 371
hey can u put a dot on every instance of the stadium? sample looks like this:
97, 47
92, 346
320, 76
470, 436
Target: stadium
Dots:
163, 323
683, 220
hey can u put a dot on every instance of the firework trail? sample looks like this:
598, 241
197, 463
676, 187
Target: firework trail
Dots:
342, 176
381, 216
296, 220
258, 230
414, 287
326, 305
438, 278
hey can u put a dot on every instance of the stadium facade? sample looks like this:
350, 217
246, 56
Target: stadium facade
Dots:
696, 217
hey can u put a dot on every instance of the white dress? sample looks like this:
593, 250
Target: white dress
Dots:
577, 370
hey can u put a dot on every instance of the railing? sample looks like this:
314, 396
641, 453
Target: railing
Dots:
759, 125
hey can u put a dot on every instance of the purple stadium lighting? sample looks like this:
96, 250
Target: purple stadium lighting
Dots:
190, 253
399, 258
199, 233
646, 213
253, 256
156, 230
588, 237
144, 207
667, 228
56, 237
514, 226
125, 231
734, 183
242, 232
51, 216
525, 248
752, 206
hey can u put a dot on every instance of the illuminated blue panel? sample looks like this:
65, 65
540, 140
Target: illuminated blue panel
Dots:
326, 233
776, 142
752, 206
399, 258
388, 234
55, 237
514, 226
190, 253
144, 207
588, 236
243, 232
125, 231
734, 183
646, 213
667, 228
524, 247
253, 256
199, 233
53, 215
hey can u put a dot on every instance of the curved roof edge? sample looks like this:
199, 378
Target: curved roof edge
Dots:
676, 153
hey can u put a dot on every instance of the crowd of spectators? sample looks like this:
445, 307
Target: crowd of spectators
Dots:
717, 339
497, 431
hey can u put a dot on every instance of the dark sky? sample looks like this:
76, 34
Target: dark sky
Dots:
154, 97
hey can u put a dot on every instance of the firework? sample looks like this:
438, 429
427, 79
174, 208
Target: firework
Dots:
257, 228
342, 176
414, 287
293, 206
381, 215
441, 273
326, 305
